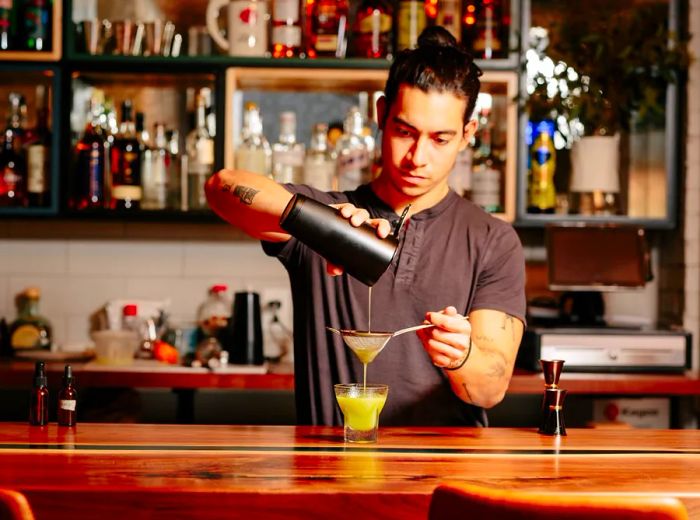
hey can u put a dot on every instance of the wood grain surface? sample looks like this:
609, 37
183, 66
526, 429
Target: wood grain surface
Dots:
170, 471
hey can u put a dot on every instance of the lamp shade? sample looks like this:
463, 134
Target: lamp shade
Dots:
594, 164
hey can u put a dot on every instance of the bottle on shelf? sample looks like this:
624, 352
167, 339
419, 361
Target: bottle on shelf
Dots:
448, 16
146, 154
542, 197
39, 397
287, 154
30, 330
175, 173
126, 163
254, 153
486, 177
320, 163
13, 170
36, 25
326, 28
354, 164
486, 28
373, 30
38, 146
410, 21
213, 314
159, 172
67, 399
6, 25
200, 163
91, 177
210, 116
286, 28
460, 179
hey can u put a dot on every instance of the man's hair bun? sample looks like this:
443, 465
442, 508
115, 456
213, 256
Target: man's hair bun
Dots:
437, 36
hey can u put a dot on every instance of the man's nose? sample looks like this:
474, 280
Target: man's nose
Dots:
418, 154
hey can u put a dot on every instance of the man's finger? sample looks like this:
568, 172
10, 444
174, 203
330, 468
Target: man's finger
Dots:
333, 270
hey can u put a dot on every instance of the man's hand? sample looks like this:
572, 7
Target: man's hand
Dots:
357, 217
448, 342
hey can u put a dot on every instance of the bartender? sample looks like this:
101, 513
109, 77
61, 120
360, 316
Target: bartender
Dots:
454, 259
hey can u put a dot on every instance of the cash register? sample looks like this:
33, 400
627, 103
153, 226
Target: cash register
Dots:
583, 261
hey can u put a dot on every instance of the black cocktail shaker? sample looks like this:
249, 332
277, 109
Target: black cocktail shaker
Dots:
245, 338
358, 250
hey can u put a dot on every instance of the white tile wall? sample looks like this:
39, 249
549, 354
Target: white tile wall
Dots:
29, 256
118, 258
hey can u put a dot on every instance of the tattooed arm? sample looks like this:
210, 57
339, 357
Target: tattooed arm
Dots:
478, 355
250, 202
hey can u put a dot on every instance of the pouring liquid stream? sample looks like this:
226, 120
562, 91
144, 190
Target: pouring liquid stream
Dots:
369, 329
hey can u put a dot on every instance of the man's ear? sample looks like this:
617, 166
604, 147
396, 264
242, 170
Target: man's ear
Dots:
381, 111
469, 130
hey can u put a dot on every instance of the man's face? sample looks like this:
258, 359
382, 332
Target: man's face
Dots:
422, 135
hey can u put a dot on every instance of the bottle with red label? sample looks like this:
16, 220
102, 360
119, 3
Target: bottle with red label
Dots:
326, 28
486, 28
373, 30
286, 28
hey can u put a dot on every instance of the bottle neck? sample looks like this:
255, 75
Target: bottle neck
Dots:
28, 308
201, 119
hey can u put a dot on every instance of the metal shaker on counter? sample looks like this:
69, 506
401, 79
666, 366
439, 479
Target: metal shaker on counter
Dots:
244, 338
358, 250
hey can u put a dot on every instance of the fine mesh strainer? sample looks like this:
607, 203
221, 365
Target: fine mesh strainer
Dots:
367, 345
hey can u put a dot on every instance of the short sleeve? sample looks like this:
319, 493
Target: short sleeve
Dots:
501, 282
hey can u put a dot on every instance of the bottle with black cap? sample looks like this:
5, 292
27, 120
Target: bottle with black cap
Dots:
67, 399
39, 399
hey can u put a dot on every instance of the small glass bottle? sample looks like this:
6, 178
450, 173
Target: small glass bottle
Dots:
254, 153
67, 399
486, 177
287, 154
326, 28
155, 183
13, 171
372, 30
38, 148
125, 161
320, 163
354, 165
200, 163
286, 28
39, 397
30, 331
411, 20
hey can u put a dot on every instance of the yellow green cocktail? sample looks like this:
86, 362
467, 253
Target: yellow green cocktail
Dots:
361, 406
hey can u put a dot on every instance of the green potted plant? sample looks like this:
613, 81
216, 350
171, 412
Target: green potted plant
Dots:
611, 66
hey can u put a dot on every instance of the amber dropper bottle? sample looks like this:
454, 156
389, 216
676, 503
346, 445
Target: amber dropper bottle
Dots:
67, 399
39, 398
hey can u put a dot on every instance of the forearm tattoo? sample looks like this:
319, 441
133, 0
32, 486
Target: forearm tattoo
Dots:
244, 193
497, 369
508, 319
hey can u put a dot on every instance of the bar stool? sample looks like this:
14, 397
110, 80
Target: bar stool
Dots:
455, 500
14, 506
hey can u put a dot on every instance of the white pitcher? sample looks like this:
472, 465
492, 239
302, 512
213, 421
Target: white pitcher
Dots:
247, 24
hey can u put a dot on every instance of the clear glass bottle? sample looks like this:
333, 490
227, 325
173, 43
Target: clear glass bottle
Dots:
31, 330
486, 177
125, 163
213, 314
13, 170
91, 162
320, 162
155, 184
144, 138
411, 20
200, 163
287, 154
353, 159
286, 28
175, 179
327, 28
254, 153
38, 148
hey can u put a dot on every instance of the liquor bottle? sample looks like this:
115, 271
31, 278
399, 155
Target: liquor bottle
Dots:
372, 30
486, 27
159, 172
411, 20
354, 165
254, 153
286, 28
6, 25
542, 197
287, 154
486, 178
38, 148
248, 22
13, 171
30, 331
36, 25
460, 179
174, 180
39, 397
67, 399
146, 155
320, 163
326, 28
200, 163
91, 162
125, 162
448, 17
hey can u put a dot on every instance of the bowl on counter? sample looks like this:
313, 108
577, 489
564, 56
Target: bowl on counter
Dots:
115, 347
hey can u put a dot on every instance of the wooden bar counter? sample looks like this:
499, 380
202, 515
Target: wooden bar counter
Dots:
106, 471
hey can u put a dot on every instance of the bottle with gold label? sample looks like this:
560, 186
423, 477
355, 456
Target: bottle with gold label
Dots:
411, 21
542, 162
30, 331
372, 30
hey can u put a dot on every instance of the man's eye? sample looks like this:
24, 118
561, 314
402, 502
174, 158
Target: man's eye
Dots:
403, 132
440, 141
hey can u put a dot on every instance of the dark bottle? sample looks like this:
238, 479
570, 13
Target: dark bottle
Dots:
39, 398
36, 25
13, 171
88, 189
486, 28
67, 399
6, 28
326, 28
30, 331
38, 146
372, 30
126, 163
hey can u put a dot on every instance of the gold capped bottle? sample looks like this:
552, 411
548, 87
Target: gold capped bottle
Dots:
31, 330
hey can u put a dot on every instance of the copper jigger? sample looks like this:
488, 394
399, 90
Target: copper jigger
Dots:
552, 370
553, 412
